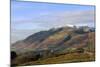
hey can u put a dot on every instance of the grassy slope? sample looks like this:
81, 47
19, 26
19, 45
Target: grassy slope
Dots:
67, 58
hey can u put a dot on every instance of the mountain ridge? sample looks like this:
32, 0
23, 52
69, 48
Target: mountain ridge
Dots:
53, 38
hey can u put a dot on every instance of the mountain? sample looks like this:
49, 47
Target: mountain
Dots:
55, 43
55, 38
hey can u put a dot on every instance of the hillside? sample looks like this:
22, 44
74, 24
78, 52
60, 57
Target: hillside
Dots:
56, 43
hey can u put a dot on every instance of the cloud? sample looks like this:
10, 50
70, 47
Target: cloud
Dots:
57, 19
64, 18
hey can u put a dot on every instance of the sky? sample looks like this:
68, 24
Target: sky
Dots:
30, 17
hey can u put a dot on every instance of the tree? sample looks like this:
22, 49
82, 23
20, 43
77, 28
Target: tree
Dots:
13, 55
